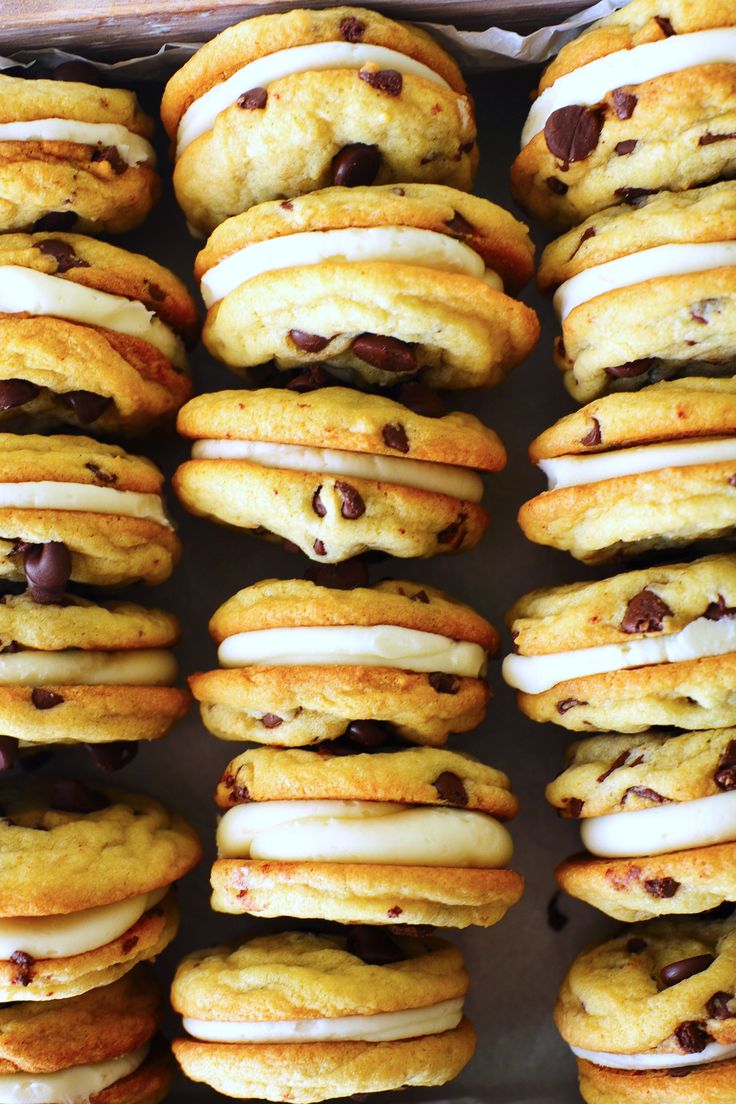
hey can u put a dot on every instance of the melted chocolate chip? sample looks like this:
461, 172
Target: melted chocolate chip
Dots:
104, 478
255, 99
718, 1007
451, 789
129, 944
389, 81
157, 293
113, 756
559, 187
636, 945
589, 233
675, 972
313, 378
556, 918
86, 405
352, 29
692, 1037
454, 533
572, 808
373, 945
55, 221
386, 353
45, 699
631, 369
708, 139
420, 596
355, 165
47, 567
593, 437
111, 154
271, 720
8, 752
460, 226
353, 505
572, 132
394, 436
623, 149
663, 888
317, 504
368, 734
308, 342
725, 775
664, 25
319, 548
645, 613
716, 611
646, 795
75, 797
340, 576
443, 683
419, 398
63, 254
623, 103
633, 195
568, 703
17, 392
25, 963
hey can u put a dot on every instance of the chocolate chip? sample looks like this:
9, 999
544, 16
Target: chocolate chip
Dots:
239, 795
317, 504
113, 756
623, 149
386, 353
718, 1007
75, 797
645, 613
340, 576
419, 398
45, 699
129, 944
420, 596
47, 567
368, 734
636, 945
372, 945
319, 548
685, 968
81, 71
307, 342
589, 233
568, 703
255, 99
352, 29
86, 405
353, 505
572, 808
631, 369
623, 103
692, 1037
55, 221
8, 752
450, 789
104, 478
454, 533
355, 165
444, 683
633, 195
664, 25
62, 253
725, 776
12, 647
572, 132
271, 720
389, 81
394, 912
559, 187
111, 154
708, 139
593, 437
313, 378
460, 225
394, 436
17, 392
663, 888
716, 611
25, 964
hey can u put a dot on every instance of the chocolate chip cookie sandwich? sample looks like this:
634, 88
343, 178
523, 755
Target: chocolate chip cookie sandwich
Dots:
301, 663
649, 1017
657, 818
405, 837
337, 473
643, 101
97, 1046
304, 1017
90, 335
74, 156
85, 885
647, 648
628, 473
75, 672
646, 294
285, 104
97, 506
378, 284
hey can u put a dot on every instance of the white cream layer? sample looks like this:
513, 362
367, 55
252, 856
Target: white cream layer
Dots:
363, 832
200, 116
576, 471
75, 667
701, 638
73, 933
39, 293
590, 83
649, 264
133, 149
356, 645
47, 494
395, 244
382, 1027
663, 828
714, 1052
76, 1085
422, 474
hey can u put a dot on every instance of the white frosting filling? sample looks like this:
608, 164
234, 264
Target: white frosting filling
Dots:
75, 1085
200, 116
662, 828
590, 83
649, 264
575, 471
73, 933
381, 1027
47, 494
133, 149
26, 290
535, 674
365, 646
70, 667
422, 474
714, 1052
397, 244
363, 832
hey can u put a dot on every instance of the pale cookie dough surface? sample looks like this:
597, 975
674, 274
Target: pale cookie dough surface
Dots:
81, 623
80, 860
365, 893
715, 1083
304, 976
409, 776
463, 332
310, 1072
68, 459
